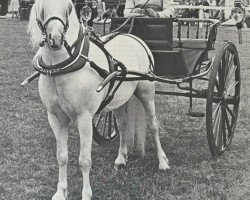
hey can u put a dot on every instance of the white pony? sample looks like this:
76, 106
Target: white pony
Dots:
73, 96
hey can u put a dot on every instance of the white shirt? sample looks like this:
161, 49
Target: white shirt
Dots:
165, 8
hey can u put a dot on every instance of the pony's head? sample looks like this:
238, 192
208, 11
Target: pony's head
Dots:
52, 22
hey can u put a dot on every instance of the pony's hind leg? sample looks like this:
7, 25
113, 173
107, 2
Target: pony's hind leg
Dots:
85, 130
145, 93
121, 118
59, 125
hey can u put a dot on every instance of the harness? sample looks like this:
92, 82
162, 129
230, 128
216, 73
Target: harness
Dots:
43, 28
79, 58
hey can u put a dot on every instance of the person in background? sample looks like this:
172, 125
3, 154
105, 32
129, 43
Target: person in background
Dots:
120, 10
14, 6
150, 8
205, 11
93, 7
79, 5
3, 9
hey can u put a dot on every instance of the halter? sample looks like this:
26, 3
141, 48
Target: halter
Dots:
43, 28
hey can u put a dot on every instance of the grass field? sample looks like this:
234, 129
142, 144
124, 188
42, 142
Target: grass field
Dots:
28, 167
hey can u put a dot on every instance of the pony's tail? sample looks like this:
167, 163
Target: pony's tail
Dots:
137, 125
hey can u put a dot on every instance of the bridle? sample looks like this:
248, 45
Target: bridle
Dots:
43, 28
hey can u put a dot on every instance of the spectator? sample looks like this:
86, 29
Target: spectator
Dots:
93, 7
110, 12
206, 11
79, 4
120, 10
190, 13
150, 8
14, 6
3, 9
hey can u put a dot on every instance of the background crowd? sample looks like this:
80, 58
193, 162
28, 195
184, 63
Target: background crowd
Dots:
20, 8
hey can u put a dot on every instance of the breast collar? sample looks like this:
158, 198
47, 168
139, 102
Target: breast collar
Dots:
75, 62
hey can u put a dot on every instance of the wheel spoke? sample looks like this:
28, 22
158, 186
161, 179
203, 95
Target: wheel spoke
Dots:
105, 128
115, 124
230, 112
217, 85
104, 124
229, 127
217, 126
99, 119
216, 109
223, 67
109, 124
230, 61
224, 62
226, 59
224, 132
221, 78
232, 86
231, 70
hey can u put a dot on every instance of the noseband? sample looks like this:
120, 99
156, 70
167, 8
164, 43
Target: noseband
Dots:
43, 28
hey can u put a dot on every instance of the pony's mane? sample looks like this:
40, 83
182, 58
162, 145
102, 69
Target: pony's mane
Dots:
42, 10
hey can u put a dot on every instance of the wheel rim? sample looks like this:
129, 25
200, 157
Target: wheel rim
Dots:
224, 101
105, 128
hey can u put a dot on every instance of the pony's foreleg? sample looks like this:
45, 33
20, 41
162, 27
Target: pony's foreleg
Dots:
121, 118
145, 93
85, 131
60, 129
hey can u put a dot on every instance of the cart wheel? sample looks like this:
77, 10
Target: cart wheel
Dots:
105, 128
223, 99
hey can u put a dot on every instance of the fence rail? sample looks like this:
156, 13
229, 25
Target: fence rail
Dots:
205, 7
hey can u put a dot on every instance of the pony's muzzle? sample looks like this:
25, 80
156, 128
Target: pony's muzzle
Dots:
55, 41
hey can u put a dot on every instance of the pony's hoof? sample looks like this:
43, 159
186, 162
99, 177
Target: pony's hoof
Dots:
163, 164
120, 167
60, 195
120, 162
164, 167
86, 194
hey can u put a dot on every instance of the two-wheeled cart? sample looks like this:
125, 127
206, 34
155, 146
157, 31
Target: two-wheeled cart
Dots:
182, 51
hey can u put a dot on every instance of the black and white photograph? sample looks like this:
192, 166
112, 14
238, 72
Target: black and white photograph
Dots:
124, 100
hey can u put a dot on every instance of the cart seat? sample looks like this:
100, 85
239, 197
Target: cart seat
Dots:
188, 43
157, 33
